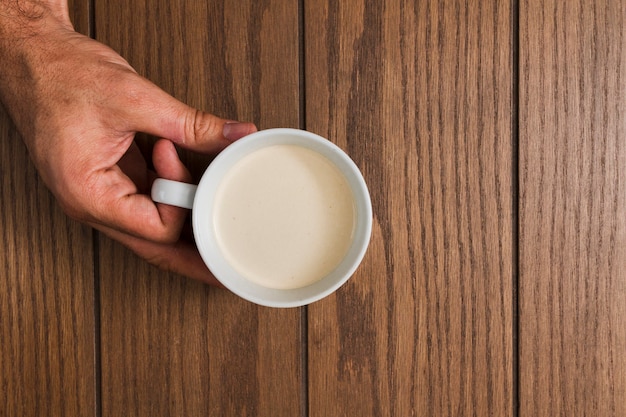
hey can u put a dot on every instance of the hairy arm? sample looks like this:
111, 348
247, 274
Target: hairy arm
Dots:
77, 105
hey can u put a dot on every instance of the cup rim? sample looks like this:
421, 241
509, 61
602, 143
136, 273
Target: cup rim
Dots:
210, 252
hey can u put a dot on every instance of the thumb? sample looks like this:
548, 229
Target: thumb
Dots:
160, 114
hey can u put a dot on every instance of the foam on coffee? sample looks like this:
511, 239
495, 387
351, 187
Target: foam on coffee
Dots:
284, 216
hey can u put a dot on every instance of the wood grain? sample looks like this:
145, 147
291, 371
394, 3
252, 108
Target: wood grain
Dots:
572, 208
46, 291
419, 94
171, 346
422, 95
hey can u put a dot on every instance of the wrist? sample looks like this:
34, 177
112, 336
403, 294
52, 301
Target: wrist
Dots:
25, 28
22, 19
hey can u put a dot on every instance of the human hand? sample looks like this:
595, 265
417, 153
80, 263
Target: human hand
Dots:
78, 106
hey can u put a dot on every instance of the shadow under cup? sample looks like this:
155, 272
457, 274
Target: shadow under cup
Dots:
208, 242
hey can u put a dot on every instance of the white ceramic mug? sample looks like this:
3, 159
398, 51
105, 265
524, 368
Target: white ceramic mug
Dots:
206, 199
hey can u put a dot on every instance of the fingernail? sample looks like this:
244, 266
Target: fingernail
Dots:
236, 130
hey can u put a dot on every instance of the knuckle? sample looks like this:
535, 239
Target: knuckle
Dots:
166, 235
162, 260
134, 90
202, 127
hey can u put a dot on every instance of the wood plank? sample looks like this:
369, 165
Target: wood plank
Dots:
46, 290
171, 346
572, 208
419, 94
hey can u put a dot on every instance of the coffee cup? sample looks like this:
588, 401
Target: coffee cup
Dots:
281, 217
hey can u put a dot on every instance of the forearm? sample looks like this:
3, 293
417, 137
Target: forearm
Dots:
24, 27
22, 22
21, 18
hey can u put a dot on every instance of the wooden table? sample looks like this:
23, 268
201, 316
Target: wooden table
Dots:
492, 135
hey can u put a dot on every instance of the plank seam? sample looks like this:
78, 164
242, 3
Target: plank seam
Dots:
515, 190
304, 312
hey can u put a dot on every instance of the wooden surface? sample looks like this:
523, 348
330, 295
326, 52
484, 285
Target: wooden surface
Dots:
411, 92
493, 139
47, 326
572, 208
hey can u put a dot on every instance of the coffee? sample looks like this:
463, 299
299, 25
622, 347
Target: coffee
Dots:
281, 217
284, 216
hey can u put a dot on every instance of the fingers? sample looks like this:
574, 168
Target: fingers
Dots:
166, 162
169, 166
159, 242
181, 257
119, 205
151, 231
153, 111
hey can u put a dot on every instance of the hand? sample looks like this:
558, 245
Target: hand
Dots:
78, 105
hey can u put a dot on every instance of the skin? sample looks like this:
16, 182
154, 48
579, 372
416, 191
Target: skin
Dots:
78, 105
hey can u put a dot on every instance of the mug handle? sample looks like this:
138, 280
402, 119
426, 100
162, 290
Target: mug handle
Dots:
173, 193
